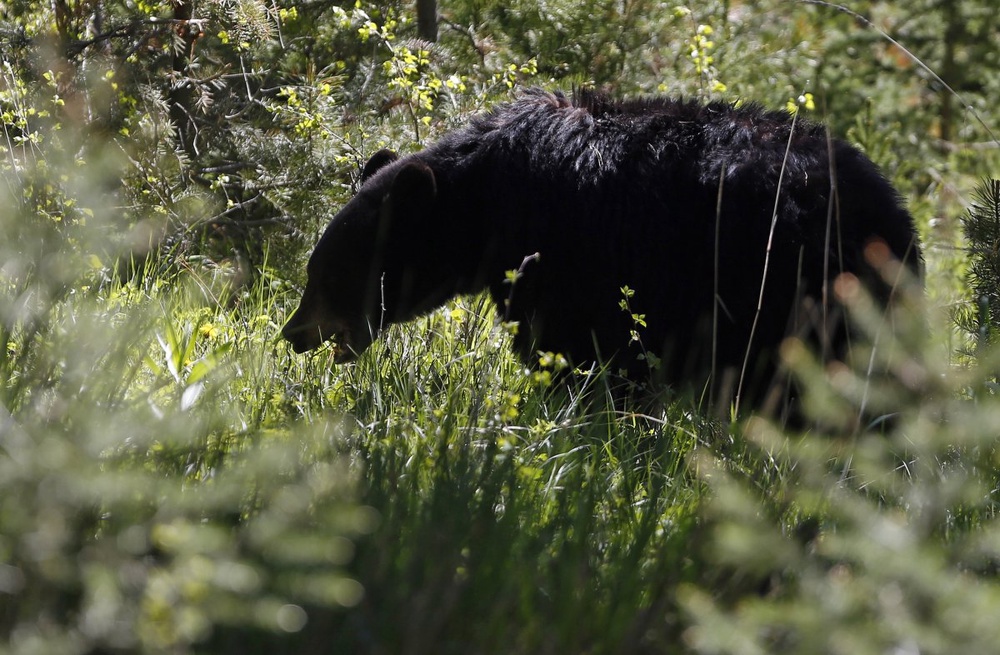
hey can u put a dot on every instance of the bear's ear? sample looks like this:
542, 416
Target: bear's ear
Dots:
413, 188
376, 162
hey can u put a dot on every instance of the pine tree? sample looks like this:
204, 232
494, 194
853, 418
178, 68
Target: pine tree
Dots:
982, 229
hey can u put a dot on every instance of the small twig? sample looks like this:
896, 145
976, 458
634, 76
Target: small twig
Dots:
716, 300
469, 34
767, 262
76, 47
513, 281
912, 57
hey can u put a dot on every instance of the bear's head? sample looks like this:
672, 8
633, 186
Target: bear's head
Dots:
367, 270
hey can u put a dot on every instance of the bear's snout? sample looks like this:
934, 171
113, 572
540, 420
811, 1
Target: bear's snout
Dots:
306, 332
303, 336
311, 323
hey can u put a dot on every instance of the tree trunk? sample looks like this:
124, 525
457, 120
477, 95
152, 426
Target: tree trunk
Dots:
427, 20
181, 92
954, 32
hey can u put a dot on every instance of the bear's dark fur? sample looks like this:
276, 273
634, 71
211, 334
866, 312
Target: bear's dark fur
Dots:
677, 200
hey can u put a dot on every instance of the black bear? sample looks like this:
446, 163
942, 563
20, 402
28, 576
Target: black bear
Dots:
726, 223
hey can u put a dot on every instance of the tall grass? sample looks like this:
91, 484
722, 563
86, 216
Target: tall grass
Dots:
510, 507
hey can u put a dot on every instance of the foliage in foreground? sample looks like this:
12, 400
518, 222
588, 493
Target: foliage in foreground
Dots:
138, 495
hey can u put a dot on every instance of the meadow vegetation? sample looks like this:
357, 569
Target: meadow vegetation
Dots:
174, 479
